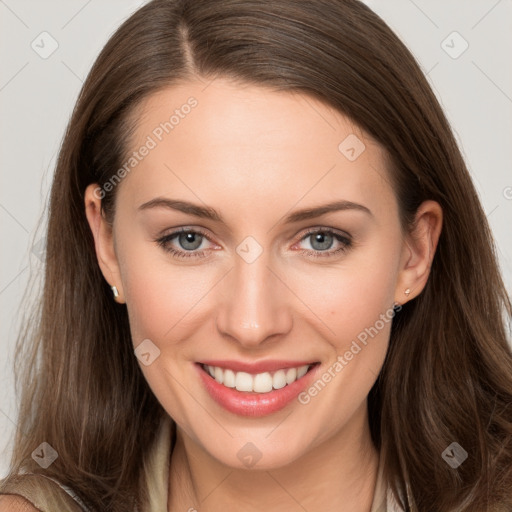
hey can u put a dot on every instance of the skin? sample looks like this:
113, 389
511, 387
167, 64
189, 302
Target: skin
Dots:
256, 155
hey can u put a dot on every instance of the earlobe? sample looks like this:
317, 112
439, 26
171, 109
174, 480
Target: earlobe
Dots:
103, 242
418, 251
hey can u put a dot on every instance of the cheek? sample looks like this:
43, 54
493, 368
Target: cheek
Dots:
163, 301
157, 303
355, 309
350, 297
352, 304
162, 297
355, 312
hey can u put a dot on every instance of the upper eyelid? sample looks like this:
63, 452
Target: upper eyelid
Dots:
326, 229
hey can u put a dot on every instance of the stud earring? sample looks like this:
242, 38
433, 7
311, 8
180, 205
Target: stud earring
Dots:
407, 292
115, 291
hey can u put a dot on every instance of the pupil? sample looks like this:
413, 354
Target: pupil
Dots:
188, 241
324, 241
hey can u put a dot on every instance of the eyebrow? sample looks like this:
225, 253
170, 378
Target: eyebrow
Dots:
206, 212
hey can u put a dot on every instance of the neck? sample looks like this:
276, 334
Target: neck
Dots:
338, 474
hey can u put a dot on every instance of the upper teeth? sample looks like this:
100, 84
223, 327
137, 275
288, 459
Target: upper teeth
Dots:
261, 382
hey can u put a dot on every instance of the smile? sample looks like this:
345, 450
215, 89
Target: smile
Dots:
255, 393
258, 383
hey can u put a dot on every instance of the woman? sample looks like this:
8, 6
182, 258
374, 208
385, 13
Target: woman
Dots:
269, 284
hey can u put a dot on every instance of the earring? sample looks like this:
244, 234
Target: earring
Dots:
115, 292
407, 292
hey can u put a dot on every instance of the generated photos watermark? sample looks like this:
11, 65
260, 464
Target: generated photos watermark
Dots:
343, 360
152, 140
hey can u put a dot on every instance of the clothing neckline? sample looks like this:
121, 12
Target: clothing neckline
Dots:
157, 467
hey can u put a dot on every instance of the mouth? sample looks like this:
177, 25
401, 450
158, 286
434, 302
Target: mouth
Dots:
256, 394
262, 382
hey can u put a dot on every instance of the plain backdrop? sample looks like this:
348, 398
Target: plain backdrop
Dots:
48, 47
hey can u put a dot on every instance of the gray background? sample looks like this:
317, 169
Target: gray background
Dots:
37, 95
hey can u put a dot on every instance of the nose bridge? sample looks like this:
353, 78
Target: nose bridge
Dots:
254, 305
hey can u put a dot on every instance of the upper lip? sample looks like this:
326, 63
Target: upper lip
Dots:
256, 367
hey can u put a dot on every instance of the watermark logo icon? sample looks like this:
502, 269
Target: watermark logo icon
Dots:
39, 249
44, 45
147, 352
249, 249
45, 455
454, 45
249, 455
454, 455
351, 147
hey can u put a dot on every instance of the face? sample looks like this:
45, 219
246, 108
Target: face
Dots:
223, 252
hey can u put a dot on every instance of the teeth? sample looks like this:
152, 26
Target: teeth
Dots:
218, 375
262, 382
291, 375
259, 383
302, 371
229, 379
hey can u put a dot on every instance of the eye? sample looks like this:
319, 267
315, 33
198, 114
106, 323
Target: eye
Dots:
188, 241
321, 240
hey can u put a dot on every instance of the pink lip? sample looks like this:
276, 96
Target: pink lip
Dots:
254, 404
254, 368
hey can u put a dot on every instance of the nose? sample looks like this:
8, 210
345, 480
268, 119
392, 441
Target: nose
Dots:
254, 304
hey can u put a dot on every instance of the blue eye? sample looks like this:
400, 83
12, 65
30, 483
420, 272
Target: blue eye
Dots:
321, 240
190, 240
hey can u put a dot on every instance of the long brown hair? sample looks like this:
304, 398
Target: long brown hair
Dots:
447, 376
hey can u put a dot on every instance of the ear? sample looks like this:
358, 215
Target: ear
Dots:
102, 232
418, 251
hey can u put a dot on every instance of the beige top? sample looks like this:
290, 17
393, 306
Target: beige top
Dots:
48, 495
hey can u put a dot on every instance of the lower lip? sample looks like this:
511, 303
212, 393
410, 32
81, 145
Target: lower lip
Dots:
254, 404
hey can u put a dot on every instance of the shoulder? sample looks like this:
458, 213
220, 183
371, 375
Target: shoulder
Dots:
13, 503
31, 492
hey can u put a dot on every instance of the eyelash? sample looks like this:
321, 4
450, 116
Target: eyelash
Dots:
165, 240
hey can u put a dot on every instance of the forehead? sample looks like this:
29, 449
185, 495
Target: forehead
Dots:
245, 144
